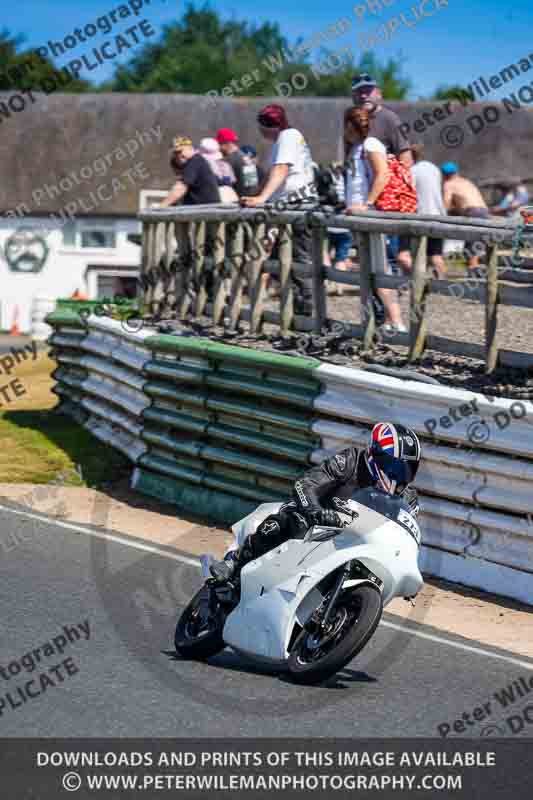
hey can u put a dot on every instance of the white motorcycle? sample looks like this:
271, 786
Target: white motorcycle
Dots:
310, 605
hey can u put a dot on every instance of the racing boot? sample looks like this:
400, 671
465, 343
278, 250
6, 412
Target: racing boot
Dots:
223, 571
269, 534
229, 569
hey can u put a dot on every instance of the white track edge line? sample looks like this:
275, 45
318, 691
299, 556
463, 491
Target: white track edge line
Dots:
196, 563
125, 540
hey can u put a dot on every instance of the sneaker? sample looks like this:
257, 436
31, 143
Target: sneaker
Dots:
392, 329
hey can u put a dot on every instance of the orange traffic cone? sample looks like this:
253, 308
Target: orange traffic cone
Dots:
15, 330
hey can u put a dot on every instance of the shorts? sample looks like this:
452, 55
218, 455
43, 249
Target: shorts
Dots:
473, 249
342, 242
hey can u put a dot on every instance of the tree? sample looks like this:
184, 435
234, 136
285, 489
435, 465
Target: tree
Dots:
201, 52
27, 70
198, 53
452, 92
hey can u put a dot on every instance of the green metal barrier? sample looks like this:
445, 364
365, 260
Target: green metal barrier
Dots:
245, 417
226, 426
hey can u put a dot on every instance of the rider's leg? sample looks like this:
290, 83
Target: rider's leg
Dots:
273, 531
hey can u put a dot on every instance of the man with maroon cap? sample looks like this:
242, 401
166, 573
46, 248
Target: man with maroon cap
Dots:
229, 145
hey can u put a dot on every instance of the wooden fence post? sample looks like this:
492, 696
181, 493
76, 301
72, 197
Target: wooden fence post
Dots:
158, 291
366, 284
417, 310
255, 284
144, 294
183, 269
319, 282
491, 312
218, 231
238, 273
198, 256
286, 307
169, 301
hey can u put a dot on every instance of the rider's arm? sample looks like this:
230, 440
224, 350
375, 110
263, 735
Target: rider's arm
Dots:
325, 477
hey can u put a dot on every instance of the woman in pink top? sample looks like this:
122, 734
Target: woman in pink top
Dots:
210, 150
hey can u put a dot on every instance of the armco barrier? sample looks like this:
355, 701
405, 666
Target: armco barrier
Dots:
218, 428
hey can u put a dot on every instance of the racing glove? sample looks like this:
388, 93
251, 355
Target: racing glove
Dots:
324, 516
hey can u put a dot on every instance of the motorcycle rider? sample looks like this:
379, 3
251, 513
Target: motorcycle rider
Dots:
389, 463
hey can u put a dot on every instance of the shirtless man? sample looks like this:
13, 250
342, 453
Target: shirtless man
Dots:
463, 198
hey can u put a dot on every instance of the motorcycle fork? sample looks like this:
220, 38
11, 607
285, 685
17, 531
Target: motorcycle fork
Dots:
335, 593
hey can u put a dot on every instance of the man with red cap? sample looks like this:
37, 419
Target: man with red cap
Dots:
289, 183
229, 145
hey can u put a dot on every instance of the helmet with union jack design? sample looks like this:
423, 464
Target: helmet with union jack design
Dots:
392, 456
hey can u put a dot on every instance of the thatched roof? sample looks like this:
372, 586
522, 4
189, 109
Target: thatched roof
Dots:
60, 134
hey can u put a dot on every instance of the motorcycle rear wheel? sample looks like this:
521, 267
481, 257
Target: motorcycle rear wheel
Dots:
316, 657
198, 634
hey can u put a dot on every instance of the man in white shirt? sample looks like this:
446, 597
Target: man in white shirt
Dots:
428, 183
290, 182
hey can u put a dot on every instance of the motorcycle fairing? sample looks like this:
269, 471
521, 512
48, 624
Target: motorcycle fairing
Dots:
275, 589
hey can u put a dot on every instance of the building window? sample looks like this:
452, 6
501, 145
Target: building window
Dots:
96, 238
69, 234
90, 235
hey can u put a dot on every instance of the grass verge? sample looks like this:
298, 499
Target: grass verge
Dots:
38, 445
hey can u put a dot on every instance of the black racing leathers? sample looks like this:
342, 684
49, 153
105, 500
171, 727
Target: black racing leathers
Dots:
337, 476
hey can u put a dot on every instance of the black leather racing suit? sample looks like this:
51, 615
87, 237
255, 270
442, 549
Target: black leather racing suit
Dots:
338, 476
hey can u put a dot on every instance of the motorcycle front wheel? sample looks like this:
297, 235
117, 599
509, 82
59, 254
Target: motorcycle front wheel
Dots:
199, 629
318, 654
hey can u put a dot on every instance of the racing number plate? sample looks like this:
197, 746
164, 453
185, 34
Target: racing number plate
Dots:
407, 521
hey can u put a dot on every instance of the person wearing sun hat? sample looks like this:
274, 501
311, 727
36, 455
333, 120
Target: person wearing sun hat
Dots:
196, 184
210, 150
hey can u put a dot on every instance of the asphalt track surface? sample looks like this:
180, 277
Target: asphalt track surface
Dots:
409, 680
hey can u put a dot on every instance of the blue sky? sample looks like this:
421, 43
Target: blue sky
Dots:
458, 43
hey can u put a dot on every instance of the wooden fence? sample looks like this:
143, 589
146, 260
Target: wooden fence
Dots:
183, 248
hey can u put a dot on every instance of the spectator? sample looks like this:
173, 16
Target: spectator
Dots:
229, 145
463, 198
253, 174
386, 126
223, 171
332, 192
428, 182
290, 181
366, 177
516, 196
196, 182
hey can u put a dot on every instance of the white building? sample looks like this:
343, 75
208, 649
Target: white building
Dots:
91, 256
76, 169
